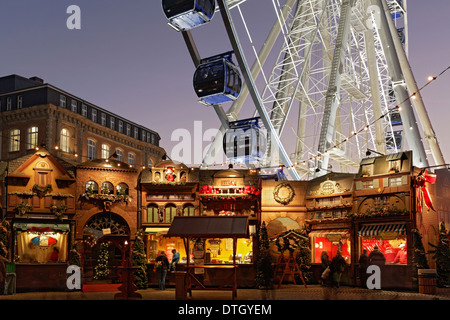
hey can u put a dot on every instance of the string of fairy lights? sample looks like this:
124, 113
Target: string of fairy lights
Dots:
313, 158
352, 134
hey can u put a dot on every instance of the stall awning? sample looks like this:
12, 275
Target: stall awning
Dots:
209, 227
325, 232
157, 231
44, 227
382, 229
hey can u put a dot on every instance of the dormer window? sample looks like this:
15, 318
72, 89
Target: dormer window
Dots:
367, 167
395, 162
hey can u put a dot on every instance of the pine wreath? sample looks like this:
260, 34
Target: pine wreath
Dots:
283, 199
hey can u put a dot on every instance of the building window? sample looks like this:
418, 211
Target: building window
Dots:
152, 214
64, 142
19, 102
395, 165
136, 133
14, 140
367, 170
32, 137
131, 159
105, 151
188, 210
143, 135
107, 188
120, 126
148, 137
112, 123
128, 130
119, 154
395, 181
91, 149
8, 103
170, 213
74, 106
91, 187
368, 184
94, 115
122, 189
84, 110
103, 119
62, 101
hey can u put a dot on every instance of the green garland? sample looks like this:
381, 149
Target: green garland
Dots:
284, 200
23, 208
41, 191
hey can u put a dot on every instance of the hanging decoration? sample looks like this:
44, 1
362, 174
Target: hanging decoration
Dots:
283, 193
422, 191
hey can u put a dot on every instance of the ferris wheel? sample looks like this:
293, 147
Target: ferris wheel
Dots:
340, 87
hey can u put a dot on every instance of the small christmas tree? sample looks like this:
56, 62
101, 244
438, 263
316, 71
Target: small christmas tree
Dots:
304, 256
139, 260
101, 269
442, 257
264, 270
419, 257
4, 238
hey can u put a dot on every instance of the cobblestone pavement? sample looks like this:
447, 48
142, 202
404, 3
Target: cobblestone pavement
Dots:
286, 292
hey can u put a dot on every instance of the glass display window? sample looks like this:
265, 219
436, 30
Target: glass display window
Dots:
390, 239
157, 243
394, 250
221, 250
331, 243
217, 251
41, 246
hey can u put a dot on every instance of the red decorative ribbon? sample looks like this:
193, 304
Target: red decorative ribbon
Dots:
422, 191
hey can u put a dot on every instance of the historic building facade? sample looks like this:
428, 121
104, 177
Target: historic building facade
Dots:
35, 113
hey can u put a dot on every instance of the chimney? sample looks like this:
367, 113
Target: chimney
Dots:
37, 79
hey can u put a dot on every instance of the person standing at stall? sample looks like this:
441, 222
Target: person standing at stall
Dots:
376, 257
175, 260
161, 265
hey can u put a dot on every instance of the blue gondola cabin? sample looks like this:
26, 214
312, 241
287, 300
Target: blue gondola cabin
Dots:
187, 14
217, 80
244, 141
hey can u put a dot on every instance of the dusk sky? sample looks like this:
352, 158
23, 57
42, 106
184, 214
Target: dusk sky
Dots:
127, 60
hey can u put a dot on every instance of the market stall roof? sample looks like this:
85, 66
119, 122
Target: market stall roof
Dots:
209, 227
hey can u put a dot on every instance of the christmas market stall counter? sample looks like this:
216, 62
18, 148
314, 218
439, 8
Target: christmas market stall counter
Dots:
41, 253
202, 275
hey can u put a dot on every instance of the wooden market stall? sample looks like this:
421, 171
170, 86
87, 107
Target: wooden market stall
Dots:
204, 227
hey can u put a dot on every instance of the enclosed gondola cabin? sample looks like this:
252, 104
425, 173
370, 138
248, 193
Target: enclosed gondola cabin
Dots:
217, 80
184, 15
245, 141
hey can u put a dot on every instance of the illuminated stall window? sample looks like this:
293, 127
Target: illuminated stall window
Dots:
221, 251
156, 242
41, 244
389, 238
330, 241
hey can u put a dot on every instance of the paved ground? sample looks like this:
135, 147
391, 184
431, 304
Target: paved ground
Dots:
286, 292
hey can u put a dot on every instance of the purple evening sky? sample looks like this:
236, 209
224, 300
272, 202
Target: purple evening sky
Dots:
126, 59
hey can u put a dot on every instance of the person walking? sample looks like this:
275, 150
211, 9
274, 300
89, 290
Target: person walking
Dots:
337, 267
325, 266
363, 264
161, 265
